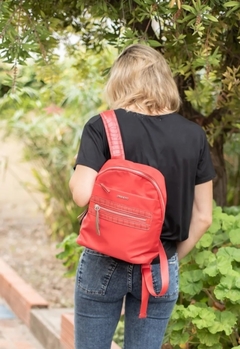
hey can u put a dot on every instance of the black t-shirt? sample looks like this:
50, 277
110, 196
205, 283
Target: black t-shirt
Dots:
174, 145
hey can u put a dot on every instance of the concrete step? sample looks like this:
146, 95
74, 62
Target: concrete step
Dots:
52, 328
13, 332
45, 324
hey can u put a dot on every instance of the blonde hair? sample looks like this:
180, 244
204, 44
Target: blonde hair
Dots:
141, 77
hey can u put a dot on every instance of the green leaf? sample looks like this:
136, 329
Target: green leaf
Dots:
215, 226
192, 311
231, 253
228, 288
217, 211
211, 18
227, 222
227, 282
234, 236
178, 312
231, 4
191, 282
224, 265
205, 241
187, 258
203, 258
208, 339
70, 273
232, 210
206, 318
212, 269
187, 18
179, 338
214, 346
189, 9
225, 321
154, 43
179, 325
237, 283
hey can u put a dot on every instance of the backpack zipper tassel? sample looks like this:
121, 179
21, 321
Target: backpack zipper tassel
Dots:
97, 209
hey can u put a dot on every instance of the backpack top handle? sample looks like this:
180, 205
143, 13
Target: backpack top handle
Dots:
113, 134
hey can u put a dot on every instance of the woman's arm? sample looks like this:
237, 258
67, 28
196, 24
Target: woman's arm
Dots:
201, 217
81, 184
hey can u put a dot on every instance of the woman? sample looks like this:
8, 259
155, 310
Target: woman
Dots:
145, 98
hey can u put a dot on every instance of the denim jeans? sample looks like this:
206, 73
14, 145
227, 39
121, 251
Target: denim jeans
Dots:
101, 285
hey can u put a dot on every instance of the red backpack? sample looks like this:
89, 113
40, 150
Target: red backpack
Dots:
126, 213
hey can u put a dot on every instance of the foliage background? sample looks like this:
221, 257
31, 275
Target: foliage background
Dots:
199, 39
47, 113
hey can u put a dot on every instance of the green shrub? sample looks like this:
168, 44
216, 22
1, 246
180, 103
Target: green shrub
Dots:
47, 114
208, 311
232, 162
70, 254
50, 145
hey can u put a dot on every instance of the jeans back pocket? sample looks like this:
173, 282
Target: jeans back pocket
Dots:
94, 272
173, 288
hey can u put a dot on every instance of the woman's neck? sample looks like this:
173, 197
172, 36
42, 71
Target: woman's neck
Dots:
137, 109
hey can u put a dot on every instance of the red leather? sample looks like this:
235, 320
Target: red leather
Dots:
126, 213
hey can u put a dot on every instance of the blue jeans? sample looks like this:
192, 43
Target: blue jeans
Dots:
101, 284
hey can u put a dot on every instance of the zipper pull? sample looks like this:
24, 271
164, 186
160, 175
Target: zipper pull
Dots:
81, 216
97, 209
105, 188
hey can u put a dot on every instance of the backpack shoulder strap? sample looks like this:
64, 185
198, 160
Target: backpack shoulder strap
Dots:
113, 134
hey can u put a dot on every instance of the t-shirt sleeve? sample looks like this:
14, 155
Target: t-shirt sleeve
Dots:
205, 169
92, 146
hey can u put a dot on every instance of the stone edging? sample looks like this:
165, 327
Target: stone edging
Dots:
31, 308
20, 296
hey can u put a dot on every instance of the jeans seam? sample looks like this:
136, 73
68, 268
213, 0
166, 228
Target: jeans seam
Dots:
129, 277
105, 282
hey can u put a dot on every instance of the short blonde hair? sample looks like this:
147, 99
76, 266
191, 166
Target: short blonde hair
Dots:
141, 77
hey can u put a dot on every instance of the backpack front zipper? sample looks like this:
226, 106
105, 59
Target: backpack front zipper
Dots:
142, 174
97, 208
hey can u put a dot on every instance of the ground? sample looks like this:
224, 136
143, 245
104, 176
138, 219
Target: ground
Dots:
24, 243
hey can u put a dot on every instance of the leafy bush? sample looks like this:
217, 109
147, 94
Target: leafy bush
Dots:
232, 161
50, 145
47, 114
208, 309
70, 254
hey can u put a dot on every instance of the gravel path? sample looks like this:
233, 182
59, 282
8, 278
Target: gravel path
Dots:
24, 243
